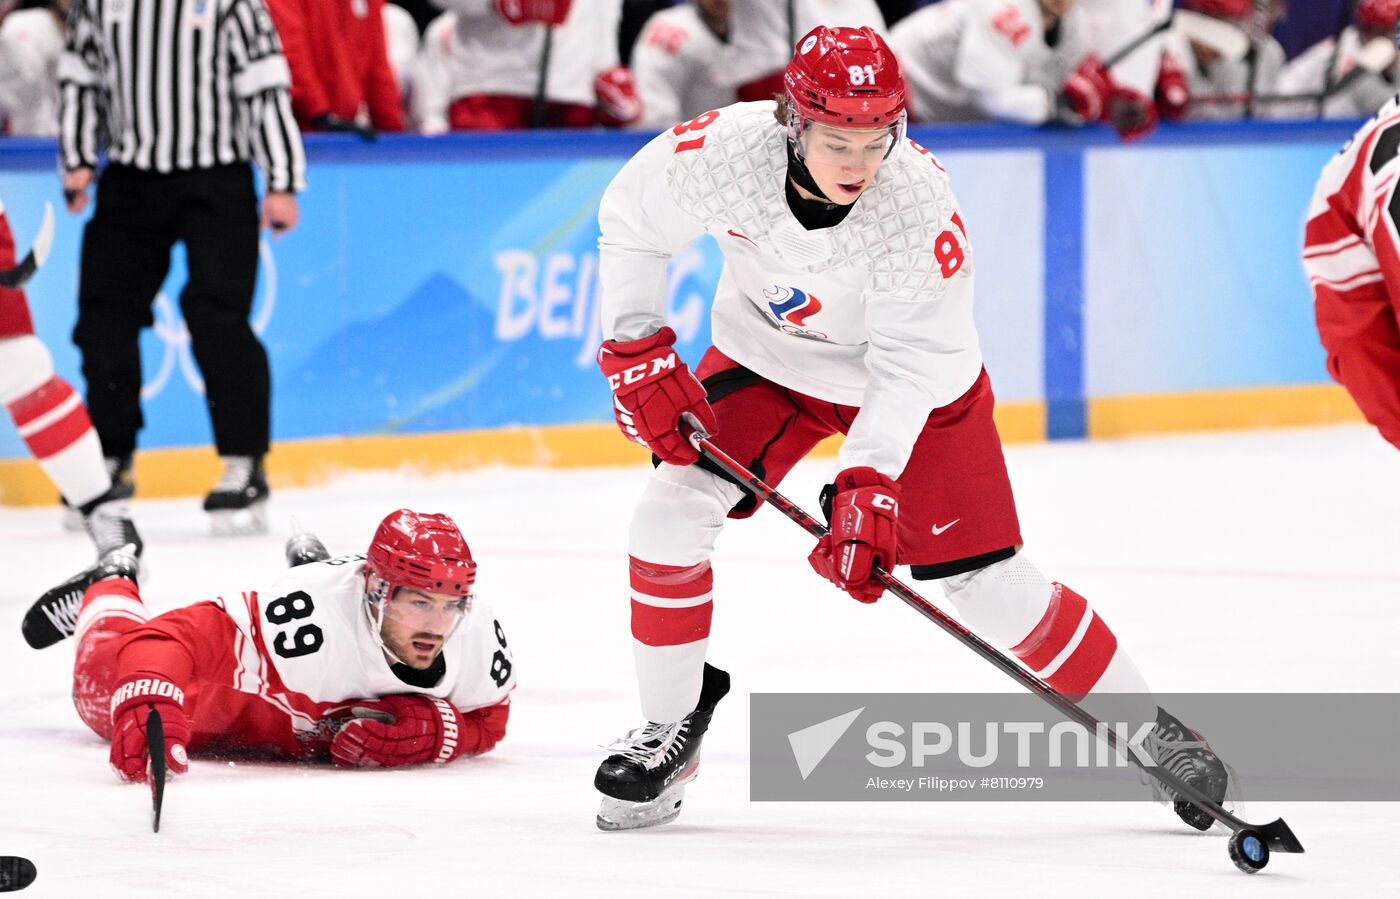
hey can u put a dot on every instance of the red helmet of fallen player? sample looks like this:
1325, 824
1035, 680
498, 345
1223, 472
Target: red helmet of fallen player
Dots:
423, 551
1377, 15
846, 78
1221, 9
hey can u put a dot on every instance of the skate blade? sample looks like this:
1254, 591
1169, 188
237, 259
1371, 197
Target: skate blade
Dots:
239, 522
619, 814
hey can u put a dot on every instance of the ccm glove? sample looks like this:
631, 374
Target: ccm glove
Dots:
396, 731
525, 12
132, 701
864, 518
652, 388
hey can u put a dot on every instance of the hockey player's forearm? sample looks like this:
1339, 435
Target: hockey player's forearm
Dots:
1029, 104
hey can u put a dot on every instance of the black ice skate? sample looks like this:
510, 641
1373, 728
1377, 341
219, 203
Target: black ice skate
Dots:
644, 781
123, 488
54, 616
238, 503
1185, 753
107, 519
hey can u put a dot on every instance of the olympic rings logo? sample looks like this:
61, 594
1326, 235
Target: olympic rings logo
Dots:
174, 335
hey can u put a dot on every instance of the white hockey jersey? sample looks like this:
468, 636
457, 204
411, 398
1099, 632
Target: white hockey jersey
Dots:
971, 60
674, 64
874, 312
760, 41
1117, 23
305, 641
1221, 88
471, 50
31, 41
1307, 73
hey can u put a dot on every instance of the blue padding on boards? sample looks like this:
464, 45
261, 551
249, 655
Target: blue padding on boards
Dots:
1064, 294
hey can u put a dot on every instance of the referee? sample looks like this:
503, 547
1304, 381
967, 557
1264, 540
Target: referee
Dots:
181, 94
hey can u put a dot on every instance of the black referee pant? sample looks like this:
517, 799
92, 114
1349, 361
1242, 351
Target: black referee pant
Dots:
125, 259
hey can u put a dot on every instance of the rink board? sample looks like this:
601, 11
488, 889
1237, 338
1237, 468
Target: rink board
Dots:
438, 304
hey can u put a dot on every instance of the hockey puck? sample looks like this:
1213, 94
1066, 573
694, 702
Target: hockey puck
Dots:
1249, 851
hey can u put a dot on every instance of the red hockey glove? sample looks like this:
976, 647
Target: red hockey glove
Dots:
1132, 114
135, 696
395, 731
619, 103
864, 516
1173, 89
1086, 90
652, 389
525, 12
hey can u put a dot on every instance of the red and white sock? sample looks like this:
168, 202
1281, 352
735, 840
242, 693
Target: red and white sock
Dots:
671, 610
1052, 630
53, 421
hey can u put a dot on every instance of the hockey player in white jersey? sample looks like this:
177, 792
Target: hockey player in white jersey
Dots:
381, 660
675, 63
1027, 61
1358, 69
1225, 65
845, 306
31, 41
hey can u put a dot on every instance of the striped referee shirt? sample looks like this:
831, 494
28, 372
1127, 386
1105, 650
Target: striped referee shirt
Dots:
178, 85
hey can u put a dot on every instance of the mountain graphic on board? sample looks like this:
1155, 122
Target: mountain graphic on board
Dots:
433, 364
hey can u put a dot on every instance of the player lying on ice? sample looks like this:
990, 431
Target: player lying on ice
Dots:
372, 661
845, 306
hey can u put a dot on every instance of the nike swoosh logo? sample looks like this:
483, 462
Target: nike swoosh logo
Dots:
938, 530
740, 236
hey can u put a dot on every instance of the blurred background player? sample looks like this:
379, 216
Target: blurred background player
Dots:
762, 33
1223, 59
1351, 253
1026, 61
402, 41
846, 308
374, 661
31, 41
674, 63
481, 67
339, 60
53, 421
1358, 68
183, 177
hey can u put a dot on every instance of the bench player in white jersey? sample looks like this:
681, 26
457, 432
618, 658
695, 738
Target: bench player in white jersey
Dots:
381, 660
1351, 253
1360, 84
675, 63
1027, 61
845, 306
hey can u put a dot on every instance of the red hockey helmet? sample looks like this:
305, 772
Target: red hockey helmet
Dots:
1377, 15
845, 77
1221, 9
423, 551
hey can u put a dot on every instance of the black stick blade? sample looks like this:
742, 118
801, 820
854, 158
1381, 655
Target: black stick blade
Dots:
155, 745
1280, 837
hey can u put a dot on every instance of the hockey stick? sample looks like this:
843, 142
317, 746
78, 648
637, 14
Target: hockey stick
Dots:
155, 746
1131, 46
539, 112
1276, 835
38, 254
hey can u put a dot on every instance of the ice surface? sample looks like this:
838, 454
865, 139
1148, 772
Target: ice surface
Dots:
1263, 562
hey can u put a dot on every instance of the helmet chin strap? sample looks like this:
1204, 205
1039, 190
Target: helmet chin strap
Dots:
374, 611
798, 172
